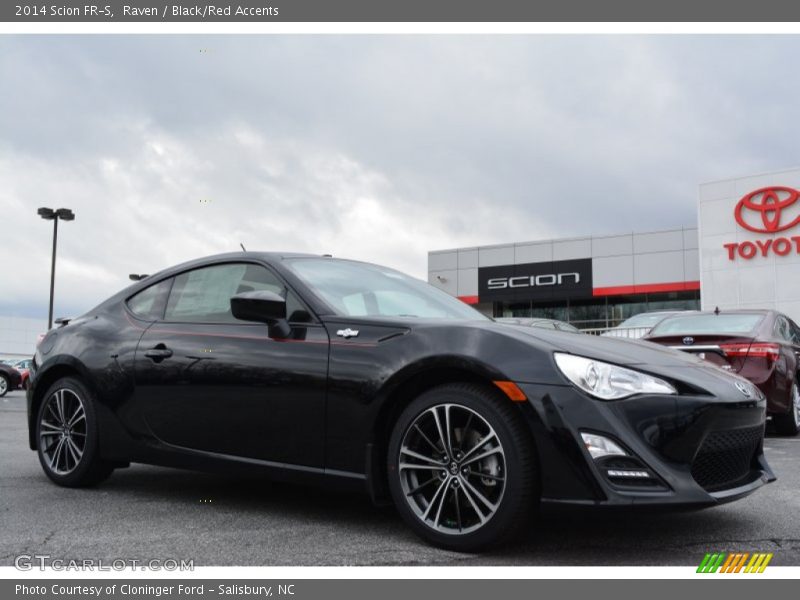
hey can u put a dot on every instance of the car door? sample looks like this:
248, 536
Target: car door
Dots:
206, 381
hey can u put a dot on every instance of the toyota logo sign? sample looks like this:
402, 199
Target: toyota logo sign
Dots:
769, 205
767, 210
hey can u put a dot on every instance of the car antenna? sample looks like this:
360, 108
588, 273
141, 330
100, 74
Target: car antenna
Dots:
716, 310
243, 248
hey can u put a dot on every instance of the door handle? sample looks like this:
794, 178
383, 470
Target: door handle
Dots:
159, 353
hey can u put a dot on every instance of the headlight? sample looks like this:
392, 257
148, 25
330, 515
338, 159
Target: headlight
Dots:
609, 382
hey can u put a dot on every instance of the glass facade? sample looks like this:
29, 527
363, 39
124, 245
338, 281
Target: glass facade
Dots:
601, 311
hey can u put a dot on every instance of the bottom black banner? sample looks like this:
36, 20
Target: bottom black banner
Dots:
388, 589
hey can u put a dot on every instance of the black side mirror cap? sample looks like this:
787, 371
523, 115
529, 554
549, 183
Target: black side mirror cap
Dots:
262, 306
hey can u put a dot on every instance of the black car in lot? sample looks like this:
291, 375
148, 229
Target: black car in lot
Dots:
312, 368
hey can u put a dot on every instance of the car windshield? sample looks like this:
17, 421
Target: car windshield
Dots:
705, 324
643, 320
356, 289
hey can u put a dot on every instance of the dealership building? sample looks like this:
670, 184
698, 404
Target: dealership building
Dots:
18, 336
744, 252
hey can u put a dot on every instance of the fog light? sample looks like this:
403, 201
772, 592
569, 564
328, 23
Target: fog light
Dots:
635, 474
599, 446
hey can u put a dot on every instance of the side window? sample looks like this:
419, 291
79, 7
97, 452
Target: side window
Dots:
795, 332
204, 295
149, 303
782, 329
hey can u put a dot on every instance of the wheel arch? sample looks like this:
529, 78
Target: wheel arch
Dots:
401, 390
61, 367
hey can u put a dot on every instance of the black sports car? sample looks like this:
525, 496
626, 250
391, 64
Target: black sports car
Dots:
308, 367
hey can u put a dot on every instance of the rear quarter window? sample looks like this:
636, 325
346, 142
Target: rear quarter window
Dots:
149, 303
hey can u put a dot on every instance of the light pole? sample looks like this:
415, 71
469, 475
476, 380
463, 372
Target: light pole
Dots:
54, 215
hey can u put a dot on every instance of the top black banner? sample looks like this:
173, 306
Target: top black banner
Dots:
403, 11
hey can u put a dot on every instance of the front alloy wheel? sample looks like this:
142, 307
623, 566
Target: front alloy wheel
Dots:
452, 468
4, 385
462, 470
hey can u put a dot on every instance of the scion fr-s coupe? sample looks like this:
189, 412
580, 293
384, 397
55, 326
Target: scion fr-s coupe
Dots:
314, 368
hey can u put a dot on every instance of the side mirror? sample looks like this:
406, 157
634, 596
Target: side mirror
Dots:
263, 307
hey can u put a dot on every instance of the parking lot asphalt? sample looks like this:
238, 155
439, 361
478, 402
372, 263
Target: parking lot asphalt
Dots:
145, 512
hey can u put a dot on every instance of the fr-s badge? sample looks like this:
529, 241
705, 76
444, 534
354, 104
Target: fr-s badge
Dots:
347, 333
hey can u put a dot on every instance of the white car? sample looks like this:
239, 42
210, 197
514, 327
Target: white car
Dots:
640, 325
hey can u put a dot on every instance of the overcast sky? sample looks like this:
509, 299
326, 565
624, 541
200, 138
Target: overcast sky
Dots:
378, 148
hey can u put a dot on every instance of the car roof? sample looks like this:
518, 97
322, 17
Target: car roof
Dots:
272, 258
528, 319
269, 257
662, 312
735, 311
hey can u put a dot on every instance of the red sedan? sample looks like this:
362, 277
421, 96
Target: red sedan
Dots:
761, 345
24, 368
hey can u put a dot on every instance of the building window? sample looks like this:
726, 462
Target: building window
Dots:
597, 313
588, 314
624, 307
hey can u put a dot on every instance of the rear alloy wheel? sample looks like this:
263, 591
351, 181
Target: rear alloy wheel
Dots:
462, 472
66, 432
4, 385
789, 423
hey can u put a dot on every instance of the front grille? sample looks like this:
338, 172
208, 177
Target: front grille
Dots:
725, 458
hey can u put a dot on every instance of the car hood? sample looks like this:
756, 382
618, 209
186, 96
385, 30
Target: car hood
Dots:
643, 355
622, 351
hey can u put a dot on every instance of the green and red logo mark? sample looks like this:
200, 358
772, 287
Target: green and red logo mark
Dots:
736, 562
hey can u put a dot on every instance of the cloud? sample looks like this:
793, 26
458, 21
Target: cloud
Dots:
378, 148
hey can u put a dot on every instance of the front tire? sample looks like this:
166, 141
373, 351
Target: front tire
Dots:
462, 468
5, 385
789, 424
67, 435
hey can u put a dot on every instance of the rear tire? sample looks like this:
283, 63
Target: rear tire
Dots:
5, 385
443, 489
67, 434
789, 423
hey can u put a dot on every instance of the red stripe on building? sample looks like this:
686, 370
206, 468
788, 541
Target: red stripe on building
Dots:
469, 299
650, 288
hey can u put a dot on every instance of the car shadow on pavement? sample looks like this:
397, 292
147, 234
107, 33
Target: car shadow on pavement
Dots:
567, 536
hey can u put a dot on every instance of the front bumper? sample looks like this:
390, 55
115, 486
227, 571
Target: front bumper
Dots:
698, 450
